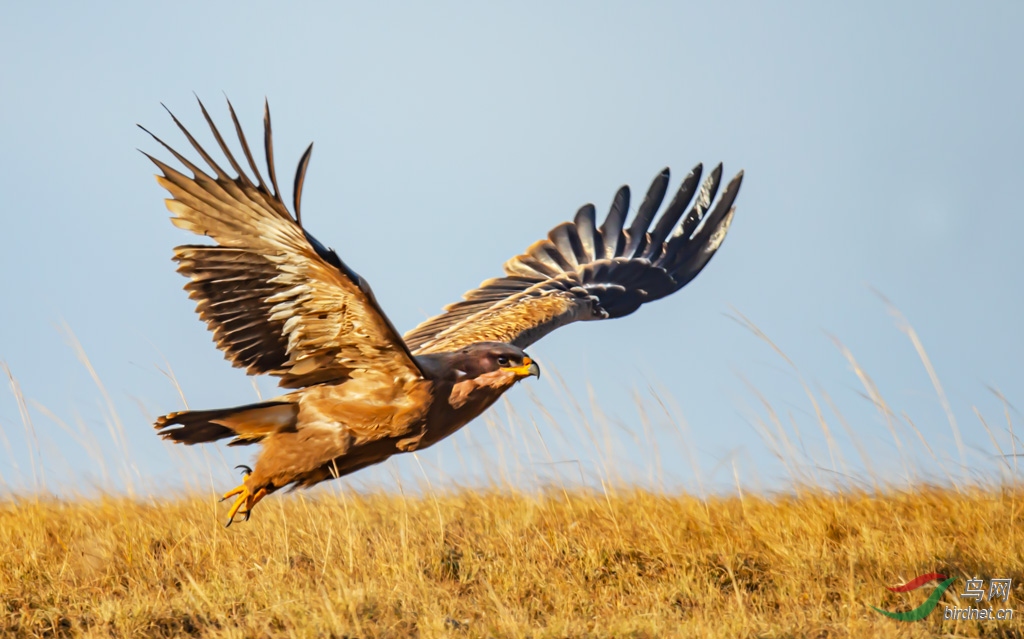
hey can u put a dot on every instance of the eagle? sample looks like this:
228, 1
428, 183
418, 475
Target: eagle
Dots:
280, 302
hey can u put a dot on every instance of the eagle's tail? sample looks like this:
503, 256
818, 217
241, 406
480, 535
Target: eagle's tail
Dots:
247, 424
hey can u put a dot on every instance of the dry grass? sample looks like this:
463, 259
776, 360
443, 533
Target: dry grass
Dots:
476, 564
510, 560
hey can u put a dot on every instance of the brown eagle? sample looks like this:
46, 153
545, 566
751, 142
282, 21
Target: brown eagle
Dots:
280, 302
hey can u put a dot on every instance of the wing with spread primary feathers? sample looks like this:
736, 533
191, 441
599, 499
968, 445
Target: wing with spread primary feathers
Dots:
276, 299
584, 271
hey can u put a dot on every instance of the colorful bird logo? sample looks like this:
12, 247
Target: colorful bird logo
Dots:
925, 609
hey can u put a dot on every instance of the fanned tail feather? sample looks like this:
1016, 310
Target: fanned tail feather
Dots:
247, 424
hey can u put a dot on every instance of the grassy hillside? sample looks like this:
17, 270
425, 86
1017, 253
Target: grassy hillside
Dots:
479, 564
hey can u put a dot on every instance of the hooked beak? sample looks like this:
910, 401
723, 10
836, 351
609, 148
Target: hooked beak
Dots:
528, 368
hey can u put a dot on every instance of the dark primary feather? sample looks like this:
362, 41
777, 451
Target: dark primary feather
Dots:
644, 215
300, 179
584, 272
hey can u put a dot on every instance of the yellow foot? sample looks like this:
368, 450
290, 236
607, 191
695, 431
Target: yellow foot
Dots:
244, 497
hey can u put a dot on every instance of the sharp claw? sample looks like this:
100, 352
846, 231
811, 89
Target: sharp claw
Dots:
246, 469
243, 497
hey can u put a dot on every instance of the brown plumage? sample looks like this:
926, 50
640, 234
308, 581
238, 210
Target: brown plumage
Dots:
280, 303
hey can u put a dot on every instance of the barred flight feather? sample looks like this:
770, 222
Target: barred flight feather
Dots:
593, 272
276, 299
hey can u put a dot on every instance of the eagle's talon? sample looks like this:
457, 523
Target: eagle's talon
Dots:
243, 496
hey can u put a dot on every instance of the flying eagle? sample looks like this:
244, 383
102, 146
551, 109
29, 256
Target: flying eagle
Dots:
280, 302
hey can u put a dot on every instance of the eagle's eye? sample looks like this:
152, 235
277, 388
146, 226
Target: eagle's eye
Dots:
502, 361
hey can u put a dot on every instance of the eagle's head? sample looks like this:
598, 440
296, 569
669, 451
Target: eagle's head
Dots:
494, 361
479, 373
490, 358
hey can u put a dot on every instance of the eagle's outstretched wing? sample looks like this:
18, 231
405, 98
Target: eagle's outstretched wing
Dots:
583, 271
276, 299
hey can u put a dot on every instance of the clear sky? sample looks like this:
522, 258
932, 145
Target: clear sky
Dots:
881, 143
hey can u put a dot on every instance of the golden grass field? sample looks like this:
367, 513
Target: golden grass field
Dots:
498, 564
513, 559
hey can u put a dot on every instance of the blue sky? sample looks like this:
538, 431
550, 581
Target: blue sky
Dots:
882, 149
